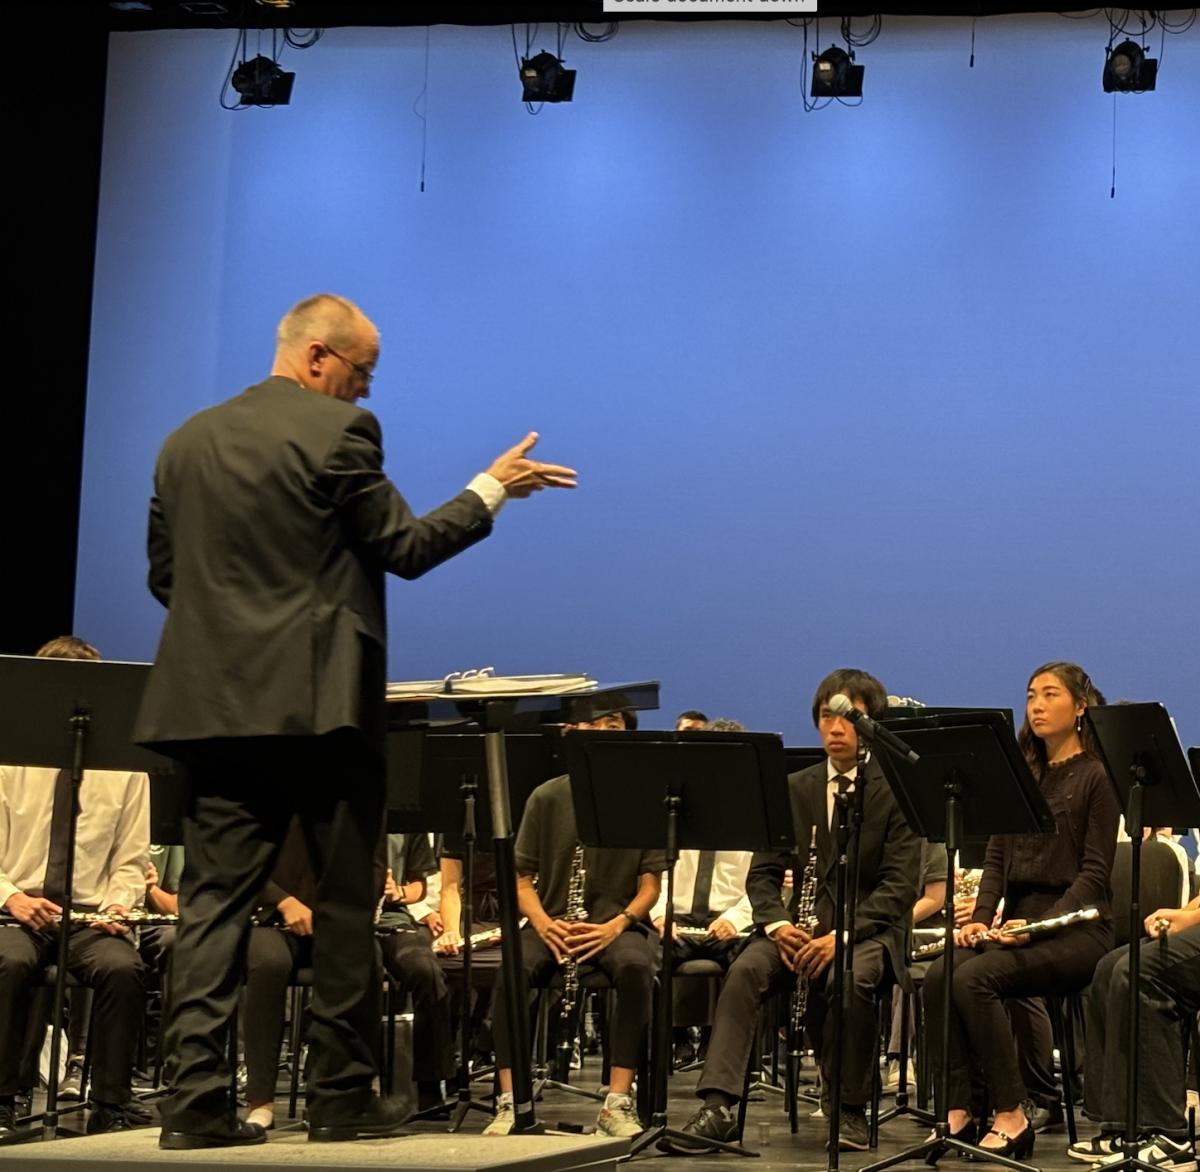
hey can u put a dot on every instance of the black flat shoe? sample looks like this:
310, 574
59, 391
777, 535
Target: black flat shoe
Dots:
227, 1132
1018, 1147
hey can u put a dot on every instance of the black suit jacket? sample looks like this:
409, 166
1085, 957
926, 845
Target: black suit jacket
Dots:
271, 530
888, 861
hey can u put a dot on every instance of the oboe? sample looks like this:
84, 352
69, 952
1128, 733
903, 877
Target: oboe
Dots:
806, 920
576, 913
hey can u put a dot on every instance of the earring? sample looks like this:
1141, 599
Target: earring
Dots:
1079, 724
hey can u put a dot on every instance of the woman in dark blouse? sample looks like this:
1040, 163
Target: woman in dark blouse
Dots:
1037, 876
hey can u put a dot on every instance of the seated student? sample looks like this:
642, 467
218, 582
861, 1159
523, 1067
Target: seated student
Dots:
710, 893
619, 890
690, 719
888, 868
1169, 968
1037, 876
113, 840
408, 956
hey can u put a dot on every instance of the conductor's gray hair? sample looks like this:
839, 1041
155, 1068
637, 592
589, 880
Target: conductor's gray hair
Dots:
722, 724
324, 317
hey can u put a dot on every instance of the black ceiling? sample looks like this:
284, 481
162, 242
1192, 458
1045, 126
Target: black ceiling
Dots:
334, 13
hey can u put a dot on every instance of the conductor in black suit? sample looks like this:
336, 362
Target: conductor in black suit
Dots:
888, 864
271, 531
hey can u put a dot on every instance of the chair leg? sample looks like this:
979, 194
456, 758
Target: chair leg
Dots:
741, 1119
295, 1043
233, 1058
1063, 1033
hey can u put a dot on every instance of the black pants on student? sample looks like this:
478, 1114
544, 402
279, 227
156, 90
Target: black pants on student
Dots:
759, 972
244, 793
272, 960
409, 958
629, 964
1170, 984
982, 1046
110, 966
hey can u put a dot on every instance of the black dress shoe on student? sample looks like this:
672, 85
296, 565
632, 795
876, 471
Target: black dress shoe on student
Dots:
1016, 1147
853, 1133
226, 1132
709, 1123
382, 1118
105, 1118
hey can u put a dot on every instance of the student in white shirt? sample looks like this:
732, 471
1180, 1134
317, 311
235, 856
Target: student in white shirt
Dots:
111, 853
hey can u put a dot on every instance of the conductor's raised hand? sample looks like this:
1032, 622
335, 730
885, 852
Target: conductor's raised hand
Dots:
522, 477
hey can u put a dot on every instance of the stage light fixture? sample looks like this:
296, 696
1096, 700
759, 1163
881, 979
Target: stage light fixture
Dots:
1127, 69
544, 79
260, 82
835, 75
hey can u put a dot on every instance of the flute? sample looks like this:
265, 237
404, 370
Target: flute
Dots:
1038, 928
701, 933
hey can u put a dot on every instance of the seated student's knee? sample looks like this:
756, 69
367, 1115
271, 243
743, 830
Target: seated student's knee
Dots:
17, 968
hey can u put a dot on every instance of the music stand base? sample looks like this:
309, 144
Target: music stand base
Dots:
462, 1109
933, 1149
659, 1131
543, 1084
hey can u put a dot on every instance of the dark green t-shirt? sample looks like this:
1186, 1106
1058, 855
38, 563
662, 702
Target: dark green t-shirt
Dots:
168, 861
546, 847
410, 859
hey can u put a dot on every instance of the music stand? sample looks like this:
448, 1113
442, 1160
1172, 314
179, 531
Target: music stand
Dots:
72, 714
1145, 762
497, 714
971, 779
645, 790
434, 784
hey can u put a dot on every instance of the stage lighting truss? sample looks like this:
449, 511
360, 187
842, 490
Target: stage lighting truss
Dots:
1127, 69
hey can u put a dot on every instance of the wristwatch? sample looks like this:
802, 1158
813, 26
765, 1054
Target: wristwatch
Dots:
631, 918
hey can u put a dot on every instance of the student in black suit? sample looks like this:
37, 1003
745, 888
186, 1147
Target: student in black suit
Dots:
271, 531
888, 865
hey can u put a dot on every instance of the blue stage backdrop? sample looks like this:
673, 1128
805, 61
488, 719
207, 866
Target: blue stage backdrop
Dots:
897, 387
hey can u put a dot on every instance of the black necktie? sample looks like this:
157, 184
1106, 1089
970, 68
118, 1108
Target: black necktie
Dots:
842, 784
703, 888
55, 886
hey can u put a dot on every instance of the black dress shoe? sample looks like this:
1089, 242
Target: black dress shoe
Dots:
227, 1131
1016, 1147
382, 1118
709, 1123
105, 1118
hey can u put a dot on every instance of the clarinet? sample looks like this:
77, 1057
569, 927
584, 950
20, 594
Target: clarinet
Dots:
806, 920
576, 913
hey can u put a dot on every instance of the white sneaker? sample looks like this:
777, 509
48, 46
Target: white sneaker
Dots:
618, 1118
1093, 1150
502, 1122
1169, 1154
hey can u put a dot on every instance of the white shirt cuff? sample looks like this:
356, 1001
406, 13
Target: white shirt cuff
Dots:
771, 929
490, 491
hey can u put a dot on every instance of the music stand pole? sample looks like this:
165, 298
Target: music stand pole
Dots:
80, 724
466, 1103
515, 1000
661, 1058
1133, 826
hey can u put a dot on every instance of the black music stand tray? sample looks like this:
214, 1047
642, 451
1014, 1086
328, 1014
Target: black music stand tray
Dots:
971, 779
72, 714
653, 789
1145, 762
437, 782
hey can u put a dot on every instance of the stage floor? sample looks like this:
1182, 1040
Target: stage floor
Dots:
429, 1147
